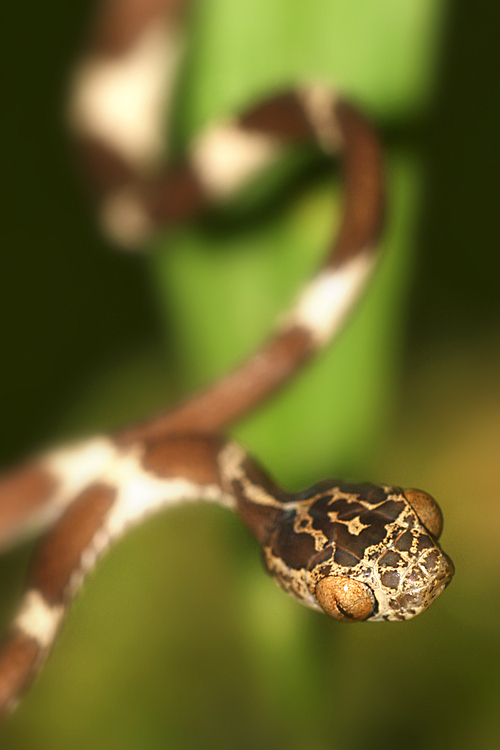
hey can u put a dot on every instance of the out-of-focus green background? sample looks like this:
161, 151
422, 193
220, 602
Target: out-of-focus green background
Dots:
179, 640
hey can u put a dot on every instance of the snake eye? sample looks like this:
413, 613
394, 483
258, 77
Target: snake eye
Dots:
345, 599
427, 510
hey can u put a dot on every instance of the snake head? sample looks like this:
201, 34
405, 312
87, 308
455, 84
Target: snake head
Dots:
361, 551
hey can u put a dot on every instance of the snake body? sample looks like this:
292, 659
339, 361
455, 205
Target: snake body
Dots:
355, 551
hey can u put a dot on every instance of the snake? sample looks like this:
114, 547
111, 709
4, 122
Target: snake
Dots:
356, 551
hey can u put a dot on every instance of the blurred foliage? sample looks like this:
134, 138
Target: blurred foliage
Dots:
179, 640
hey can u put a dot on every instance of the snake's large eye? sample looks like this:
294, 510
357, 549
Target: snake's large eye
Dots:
427, 510
345, 599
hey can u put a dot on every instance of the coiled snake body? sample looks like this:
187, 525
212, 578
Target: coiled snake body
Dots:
355, 551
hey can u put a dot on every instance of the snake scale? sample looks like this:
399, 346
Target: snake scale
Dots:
355, 551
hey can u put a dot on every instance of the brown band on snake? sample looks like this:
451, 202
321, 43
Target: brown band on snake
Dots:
59, 554
364, 189
107, 171
176, 196
189, 457
19, 660
57, 570
282, 116
120, 22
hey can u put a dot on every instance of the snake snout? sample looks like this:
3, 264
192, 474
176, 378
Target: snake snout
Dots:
424, 582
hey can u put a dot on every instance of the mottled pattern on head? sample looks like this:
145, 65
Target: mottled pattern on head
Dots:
362, 533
